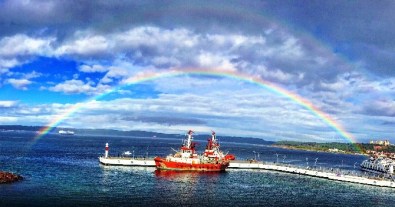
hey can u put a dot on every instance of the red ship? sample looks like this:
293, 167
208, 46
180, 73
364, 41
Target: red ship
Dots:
186, 159
212, 151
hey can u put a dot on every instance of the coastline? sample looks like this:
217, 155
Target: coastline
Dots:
7, 177
317, 150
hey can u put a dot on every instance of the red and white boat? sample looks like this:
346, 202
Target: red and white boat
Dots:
186, 159
212, 151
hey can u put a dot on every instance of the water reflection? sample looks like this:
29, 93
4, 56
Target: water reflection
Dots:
187, 188
187, 176
135, 169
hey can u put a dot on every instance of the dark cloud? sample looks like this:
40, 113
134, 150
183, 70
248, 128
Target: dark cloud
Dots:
380, 108
350, 27
361, 31
388, 123
63, 17
379, 112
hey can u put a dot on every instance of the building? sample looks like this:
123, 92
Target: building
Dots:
380, 142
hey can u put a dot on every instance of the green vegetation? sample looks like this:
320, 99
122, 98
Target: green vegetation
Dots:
341, 147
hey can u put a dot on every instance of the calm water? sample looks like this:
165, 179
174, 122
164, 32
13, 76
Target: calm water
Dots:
64, 171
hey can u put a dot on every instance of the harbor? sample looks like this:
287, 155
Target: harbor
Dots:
99, 184
260, 165
213, 159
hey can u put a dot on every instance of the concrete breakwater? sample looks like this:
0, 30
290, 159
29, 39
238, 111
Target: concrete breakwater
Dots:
7, 177
331, 175
240, 164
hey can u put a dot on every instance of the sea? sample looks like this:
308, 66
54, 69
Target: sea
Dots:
65, 171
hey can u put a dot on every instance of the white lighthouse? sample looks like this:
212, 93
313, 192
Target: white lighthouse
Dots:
106, 151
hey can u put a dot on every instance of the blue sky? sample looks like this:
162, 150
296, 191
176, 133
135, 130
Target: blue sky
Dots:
339, 55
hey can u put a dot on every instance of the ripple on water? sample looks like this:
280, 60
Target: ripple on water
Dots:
66, 172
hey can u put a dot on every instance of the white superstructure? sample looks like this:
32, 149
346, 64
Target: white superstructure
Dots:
187, 153
378, 165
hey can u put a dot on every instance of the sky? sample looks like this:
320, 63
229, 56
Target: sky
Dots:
72, 64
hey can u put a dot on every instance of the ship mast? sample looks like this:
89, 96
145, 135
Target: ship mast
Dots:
188, 140
213, 145
213, 137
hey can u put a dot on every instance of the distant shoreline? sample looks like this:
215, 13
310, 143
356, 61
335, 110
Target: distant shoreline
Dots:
316, 150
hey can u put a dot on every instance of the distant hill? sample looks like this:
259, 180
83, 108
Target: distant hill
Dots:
20, 128
343, 147
249, 140
112, 132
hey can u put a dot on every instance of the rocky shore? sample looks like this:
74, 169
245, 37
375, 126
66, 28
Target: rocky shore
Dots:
6, 177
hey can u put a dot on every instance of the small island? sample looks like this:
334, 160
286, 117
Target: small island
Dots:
7, 177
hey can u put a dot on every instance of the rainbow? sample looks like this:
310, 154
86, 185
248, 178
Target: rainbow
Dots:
147, 76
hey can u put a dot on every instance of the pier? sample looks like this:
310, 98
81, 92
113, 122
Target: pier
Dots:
259, 165
337, 176
127, 161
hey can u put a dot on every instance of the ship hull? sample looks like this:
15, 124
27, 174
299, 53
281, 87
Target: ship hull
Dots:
163, 164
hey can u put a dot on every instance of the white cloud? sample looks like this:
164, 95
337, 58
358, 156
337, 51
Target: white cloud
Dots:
8, 63
7, 104
207, 60
116, 72
21, 45
155, 47
335, 86
291, 48
119, 49
31, 75
277, 75
72, 86
78, 86
244, 110
233, 41
23, 81
85, 46
19, 83
275, 56
92, 68
20, 48
163, 61
180, 47
157, 37
235, 108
